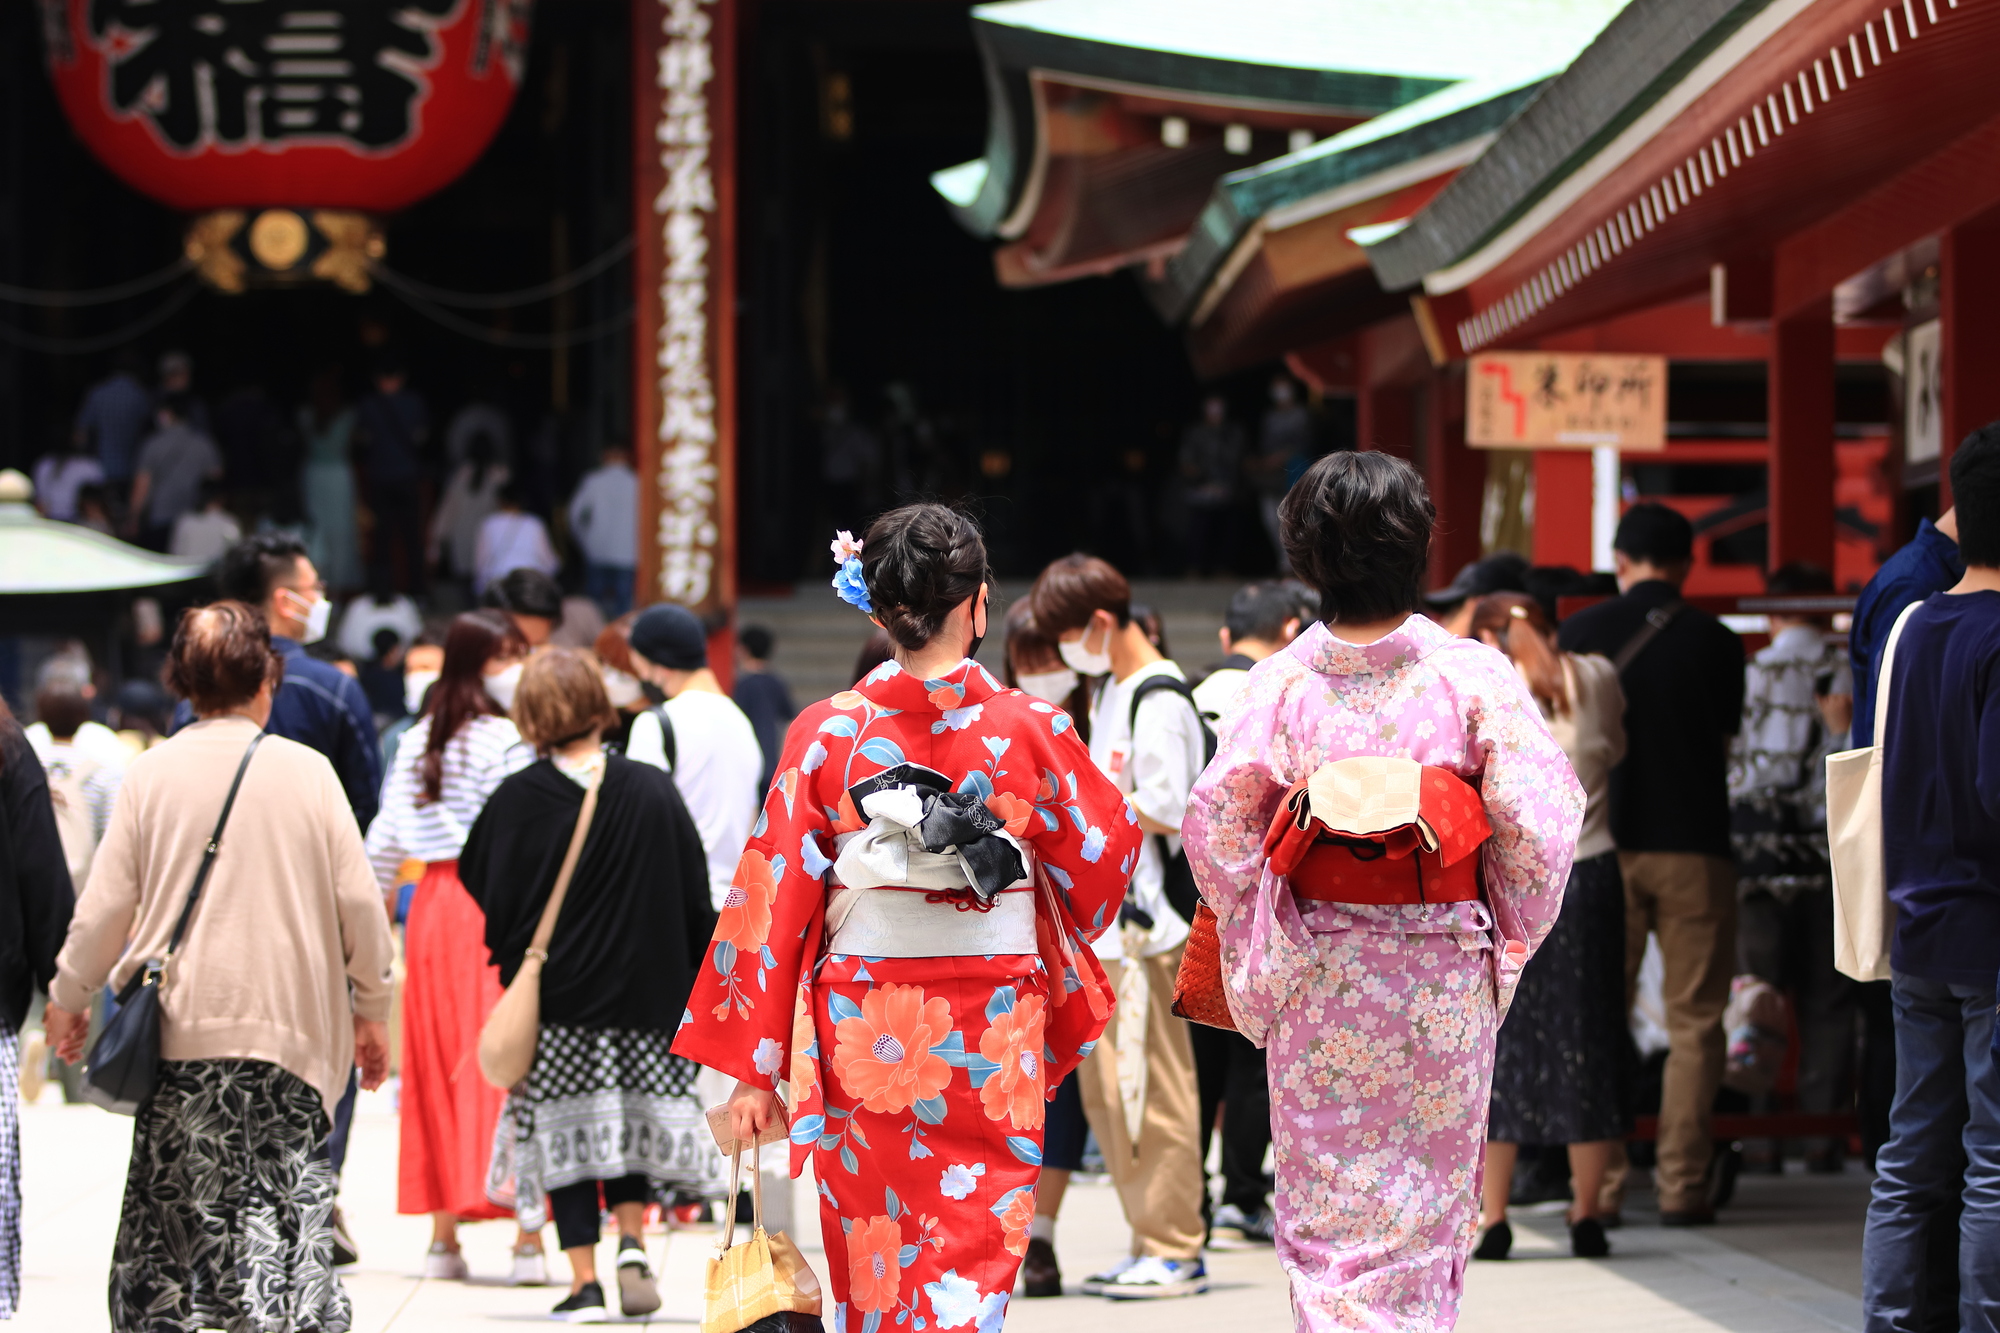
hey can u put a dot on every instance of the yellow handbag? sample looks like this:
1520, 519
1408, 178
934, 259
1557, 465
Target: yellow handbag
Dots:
763, 1285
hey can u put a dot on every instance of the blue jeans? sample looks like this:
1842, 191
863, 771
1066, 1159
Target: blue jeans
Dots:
343, 1125
610, 586
1944, 1140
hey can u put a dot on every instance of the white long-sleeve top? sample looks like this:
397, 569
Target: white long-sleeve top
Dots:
476, 760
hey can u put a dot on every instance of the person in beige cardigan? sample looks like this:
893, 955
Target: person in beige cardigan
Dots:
1563, 1062
280, 985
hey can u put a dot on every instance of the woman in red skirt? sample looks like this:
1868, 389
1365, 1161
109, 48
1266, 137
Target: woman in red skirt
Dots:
448, 764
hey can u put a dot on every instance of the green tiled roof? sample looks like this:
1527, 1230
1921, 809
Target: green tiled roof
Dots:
1476, 107
1430, 73
1446, 40
1648, 49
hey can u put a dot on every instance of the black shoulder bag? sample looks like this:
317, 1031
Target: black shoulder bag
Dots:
123, 1067
1656, 620
1177, 877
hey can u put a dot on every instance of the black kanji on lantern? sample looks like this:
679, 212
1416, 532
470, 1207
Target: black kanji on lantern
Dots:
234, 71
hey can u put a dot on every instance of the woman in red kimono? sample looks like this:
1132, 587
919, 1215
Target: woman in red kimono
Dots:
930, 864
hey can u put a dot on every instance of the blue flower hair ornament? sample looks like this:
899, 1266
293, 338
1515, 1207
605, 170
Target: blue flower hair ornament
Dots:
847, 580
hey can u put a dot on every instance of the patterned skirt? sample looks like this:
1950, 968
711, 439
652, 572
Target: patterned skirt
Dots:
10, 1172
1563, 1064
600, 1103
227, 1207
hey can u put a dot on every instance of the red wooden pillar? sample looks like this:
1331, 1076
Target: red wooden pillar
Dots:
1389, 358
1802, 471
1969, 292
1385, 418
1456, 475
1563, 499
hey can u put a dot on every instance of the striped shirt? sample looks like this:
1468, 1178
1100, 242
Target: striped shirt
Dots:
484, 751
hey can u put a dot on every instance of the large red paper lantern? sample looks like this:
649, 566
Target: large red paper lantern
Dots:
340, 104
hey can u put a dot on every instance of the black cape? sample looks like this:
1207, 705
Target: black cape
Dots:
637, 921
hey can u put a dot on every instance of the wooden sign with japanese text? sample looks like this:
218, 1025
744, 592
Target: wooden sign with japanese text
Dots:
684, 269
1566, 400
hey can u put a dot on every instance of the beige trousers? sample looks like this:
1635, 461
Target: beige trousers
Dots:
1159, 1178
1689, 902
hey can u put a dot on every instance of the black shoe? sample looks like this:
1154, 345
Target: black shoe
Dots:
344, 1252
1497, 1243
1040, 1275
1586, 1239
1687, 1217
585, 1306
638, 1293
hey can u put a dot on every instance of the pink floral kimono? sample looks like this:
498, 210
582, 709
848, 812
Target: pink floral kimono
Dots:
1379, 1020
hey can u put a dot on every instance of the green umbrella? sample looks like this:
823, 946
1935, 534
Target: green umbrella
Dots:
39, 557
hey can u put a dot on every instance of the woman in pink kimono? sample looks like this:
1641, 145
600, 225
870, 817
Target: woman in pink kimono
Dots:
1378, 1016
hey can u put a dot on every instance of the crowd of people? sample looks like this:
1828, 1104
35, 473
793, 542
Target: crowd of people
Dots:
381, 501
1404, 856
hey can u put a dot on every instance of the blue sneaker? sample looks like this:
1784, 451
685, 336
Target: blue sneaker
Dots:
1153, 1279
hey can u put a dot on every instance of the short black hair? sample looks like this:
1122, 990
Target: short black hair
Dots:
250, 569
177, 405
757, 642
1656, 534
526, 592
1260, 610
1975, 490
1357, 528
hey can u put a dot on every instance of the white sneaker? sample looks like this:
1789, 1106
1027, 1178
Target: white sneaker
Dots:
531, 1266
1153, 1279
1095, 1284
445, 1265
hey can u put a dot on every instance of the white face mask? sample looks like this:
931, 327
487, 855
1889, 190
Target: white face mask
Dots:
1054, 686
502, 684
414, 685
319, 611
1082, 660
623, 689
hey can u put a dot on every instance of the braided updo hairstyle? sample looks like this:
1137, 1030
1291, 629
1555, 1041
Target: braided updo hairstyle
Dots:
1357, 528
920, 562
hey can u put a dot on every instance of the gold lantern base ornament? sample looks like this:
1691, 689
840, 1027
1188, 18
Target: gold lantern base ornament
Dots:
234, 249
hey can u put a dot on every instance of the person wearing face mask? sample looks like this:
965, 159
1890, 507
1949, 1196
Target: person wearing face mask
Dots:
1150, 740
448, 763
319, 706
698, 735
1230, 1069
930, 866
1035, 668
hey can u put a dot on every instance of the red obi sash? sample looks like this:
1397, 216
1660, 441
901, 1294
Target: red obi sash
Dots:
1381, 831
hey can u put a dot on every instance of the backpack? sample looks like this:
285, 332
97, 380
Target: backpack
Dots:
74, 824
667, 741
1177, 877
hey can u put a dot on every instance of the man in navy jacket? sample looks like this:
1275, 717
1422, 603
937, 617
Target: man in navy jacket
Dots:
318, 705
1941, 859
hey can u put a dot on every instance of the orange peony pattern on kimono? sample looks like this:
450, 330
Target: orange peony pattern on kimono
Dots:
884, 1053
1014, 1090
918, 1085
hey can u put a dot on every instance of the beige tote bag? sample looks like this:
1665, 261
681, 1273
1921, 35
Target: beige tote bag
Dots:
1862, 917
764, 1276
507, 1042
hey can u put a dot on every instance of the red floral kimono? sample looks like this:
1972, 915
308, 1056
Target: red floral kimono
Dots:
920, 1082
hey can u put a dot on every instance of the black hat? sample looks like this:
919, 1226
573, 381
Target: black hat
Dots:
1505, 572
670, 636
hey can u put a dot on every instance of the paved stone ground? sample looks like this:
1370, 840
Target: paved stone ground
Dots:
1786, 1259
